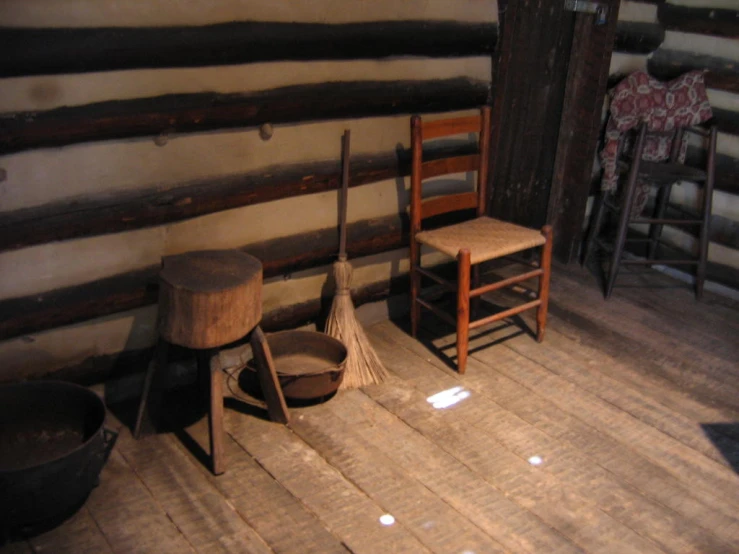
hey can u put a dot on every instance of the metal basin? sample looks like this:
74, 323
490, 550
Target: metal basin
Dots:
309, 365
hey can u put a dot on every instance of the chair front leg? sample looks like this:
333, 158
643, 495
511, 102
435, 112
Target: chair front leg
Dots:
546, 267
415, 286
463, 308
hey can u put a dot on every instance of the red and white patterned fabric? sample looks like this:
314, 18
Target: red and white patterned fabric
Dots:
664, 107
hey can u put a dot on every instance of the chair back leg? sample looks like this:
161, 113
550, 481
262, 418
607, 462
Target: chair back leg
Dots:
598, 211
546, 267
625, 216
700, 277
463, 308
415, 277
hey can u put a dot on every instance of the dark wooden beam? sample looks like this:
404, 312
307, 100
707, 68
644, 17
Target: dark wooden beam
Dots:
635, 37
96, 215
187, 113
528, 91
99, 369
722, 73
46, 51
727, 121
727, 169
135, 289
577, 141
49, 51
705, 21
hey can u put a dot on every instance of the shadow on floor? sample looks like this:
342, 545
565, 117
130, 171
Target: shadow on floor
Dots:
432, 330
725, 437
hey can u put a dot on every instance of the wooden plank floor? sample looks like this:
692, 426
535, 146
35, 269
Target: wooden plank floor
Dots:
631, 405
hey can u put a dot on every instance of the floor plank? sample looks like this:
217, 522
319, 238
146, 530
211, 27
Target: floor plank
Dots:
265, 504
618, 329
566, 463
429, 517
456, 483
79, 534
128, 515
345, 510
206, 519
630, 403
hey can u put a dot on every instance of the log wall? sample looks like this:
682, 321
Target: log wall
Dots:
111, 159
130, 131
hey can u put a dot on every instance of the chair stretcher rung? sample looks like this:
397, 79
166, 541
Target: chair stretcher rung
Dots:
505, 282
441, 313
668, 221
660, 262
435, 277
504, 314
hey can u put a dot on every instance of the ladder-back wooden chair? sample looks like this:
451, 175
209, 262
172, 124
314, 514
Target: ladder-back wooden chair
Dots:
471, 242
661, 117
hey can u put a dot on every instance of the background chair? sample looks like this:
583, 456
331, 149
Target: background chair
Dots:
662, 116
471, 242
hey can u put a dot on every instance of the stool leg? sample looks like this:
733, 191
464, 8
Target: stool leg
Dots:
209, 362
150, 407
276, 406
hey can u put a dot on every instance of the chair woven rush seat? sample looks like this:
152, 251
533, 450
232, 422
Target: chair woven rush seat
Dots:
470, 242
485, 237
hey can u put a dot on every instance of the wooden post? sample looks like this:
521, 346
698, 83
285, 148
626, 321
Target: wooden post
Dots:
587, 79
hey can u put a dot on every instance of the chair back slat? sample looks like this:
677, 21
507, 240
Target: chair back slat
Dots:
454, 126
420, 170
437, 205
445, 166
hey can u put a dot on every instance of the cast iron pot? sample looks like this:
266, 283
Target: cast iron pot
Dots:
309, 365
52, 448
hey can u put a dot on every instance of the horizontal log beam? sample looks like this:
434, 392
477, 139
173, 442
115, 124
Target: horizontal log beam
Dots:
705, 21
636, 37
187, 113
49, 51
99, 369
135, 289
95, 215
53, 50
727, 169
722, 73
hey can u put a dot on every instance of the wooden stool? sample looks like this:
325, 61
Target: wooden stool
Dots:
208, 299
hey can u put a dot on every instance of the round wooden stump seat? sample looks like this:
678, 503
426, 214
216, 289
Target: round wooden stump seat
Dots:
208, 299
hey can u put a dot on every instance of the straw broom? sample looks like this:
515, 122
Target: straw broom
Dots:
363, 367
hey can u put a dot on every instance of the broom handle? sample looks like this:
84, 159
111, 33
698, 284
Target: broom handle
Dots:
344, 193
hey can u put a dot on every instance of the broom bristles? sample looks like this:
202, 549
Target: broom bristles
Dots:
363, 366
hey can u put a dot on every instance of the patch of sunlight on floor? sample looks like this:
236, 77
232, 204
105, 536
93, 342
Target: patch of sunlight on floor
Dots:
387, 519
448, 397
